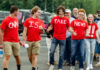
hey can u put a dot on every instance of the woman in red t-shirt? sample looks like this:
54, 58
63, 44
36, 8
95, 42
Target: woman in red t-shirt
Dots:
91, 41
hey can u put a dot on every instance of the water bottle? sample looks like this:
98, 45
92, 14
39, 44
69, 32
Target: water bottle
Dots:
1, 53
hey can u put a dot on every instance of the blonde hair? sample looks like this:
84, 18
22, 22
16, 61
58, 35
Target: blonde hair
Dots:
88, 20
35, 9
82, 10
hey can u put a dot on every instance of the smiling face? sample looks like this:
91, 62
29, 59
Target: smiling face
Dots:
16, 12
37, 13
90, 18
81, 15
68, 14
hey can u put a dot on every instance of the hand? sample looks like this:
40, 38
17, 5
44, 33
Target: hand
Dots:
1, 46
47, 30
21, 43
74, 33
99, 42
50, 38
87, 35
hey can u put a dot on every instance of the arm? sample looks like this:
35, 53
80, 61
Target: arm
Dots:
87, 34
97, 36
1, 38
49, 28
24, 35
72, 31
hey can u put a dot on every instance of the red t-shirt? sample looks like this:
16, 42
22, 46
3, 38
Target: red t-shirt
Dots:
10, 27
79, 26
33, 31
92, 28
60, 26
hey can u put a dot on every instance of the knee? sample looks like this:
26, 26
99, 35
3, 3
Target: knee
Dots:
34, 56
7, 58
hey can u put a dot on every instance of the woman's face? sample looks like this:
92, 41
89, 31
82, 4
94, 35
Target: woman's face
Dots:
81, 15
90, 18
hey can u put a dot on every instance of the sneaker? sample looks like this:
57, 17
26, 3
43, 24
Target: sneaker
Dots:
72, 68
87, 68
59, 69
97, 65
51, 67
91, 66
81, 69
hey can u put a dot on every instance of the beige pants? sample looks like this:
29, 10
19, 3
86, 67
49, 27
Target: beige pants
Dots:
34, 48
10, 47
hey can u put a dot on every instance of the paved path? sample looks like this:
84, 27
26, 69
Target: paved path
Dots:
42, 60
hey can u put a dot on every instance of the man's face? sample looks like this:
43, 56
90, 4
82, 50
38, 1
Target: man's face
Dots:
67, 14
81, 15
38, 13
75, 10
61, 12
99, 13
16, 13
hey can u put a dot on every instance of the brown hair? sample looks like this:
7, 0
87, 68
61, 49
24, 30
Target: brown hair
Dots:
35, 9
88, 20
60, 8
13, 9
82, 10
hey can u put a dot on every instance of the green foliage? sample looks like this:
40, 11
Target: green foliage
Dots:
89, 5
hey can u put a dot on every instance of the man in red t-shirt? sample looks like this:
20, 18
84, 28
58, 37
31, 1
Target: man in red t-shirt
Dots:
60, 24
9, 31
33, 27
80, 27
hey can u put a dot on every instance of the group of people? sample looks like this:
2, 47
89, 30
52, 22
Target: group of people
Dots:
74, 35
10, 40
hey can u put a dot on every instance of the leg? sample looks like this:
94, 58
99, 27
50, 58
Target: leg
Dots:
52, 50
74, 47
81, 53
16, 53
69, 50
29, 51
7, 54
48, 41
93, 44
87, 41
34, 60
6, 61
62, 44
35, 52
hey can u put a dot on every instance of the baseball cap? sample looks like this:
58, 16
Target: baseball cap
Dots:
68, 10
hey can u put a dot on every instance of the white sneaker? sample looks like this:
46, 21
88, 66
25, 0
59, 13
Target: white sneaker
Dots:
91, 66
88, 68
60, 69
81, 69
72, 68
51, 67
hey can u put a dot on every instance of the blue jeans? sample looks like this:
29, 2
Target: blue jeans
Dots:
90, 50
54, 44
67, 53
78, 45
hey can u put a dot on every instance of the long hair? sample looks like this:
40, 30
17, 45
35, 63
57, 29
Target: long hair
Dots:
88, 19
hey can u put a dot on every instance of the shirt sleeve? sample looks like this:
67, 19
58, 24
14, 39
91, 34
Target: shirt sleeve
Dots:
52, 22
68, 23
3, 24
26, 23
